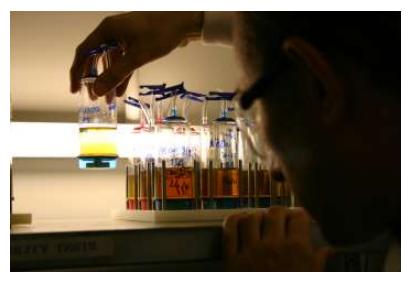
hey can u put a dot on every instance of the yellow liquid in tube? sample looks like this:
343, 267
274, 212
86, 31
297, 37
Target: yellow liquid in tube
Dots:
98, 147
98, 141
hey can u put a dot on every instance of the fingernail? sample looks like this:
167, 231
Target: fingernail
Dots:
73, 89
108, 99
93, 97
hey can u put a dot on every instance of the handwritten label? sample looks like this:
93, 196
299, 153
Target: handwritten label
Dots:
179, 182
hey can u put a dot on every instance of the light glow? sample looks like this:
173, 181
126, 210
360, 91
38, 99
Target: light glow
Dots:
38, 139
59, 140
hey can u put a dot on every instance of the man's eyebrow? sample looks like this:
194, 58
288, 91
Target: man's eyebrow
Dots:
242, 85
256, 90
239, 91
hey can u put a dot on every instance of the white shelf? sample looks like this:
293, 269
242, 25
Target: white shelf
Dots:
179, 216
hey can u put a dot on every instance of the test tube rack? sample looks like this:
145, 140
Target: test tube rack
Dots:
146, 188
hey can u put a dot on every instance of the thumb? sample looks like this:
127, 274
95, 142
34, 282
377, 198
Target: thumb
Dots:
320, 258
113, 76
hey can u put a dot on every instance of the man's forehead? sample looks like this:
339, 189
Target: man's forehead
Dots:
250, 56
249, 62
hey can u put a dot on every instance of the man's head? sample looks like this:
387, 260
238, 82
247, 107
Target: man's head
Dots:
330, 101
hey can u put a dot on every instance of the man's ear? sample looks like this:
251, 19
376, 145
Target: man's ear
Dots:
332, 98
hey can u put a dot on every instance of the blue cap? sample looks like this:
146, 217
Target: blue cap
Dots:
225, 120
174, 119
153, 87
218, 95
169, 91
213, 97
97, 162
198, 97
109, 45
222, 93
195, 94
174, 89
93, 51
136, 102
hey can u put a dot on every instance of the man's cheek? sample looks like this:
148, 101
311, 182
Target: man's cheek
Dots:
272, 133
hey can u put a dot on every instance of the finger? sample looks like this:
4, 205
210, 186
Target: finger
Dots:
230, 235
114, 75
86, 69
92, 41
111, 59
321, 257
93, 97
298, 225
109, 97
249, 230
88, 86
136, 56
120, 90
114, 55
274, 224
90, 91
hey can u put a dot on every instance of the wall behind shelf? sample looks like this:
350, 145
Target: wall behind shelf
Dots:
56, 188
42, 46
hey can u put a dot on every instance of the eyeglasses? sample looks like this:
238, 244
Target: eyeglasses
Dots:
248, 111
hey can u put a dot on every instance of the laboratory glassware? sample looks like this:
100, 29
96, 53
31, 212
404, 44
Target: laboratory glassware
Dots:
222, 188
175, 163
97, 117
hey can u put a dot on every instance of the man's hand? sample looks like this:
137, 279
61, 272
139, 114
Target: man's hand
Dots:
145, 36
278, 240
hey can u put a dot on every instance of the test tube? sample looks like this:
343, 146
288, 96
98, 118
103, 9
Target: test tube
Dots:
265, 186
175, 161
223, 152
144, 149
131, 192
261, 188
97, 118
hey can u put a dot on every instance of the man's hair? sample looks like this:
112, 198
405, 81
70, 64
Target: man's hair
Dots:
371, 40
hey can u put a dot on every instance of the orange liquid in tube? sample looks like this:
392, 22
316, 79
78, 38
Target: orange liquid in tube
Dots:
227, 182
223, 191
179, 187
264, 183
